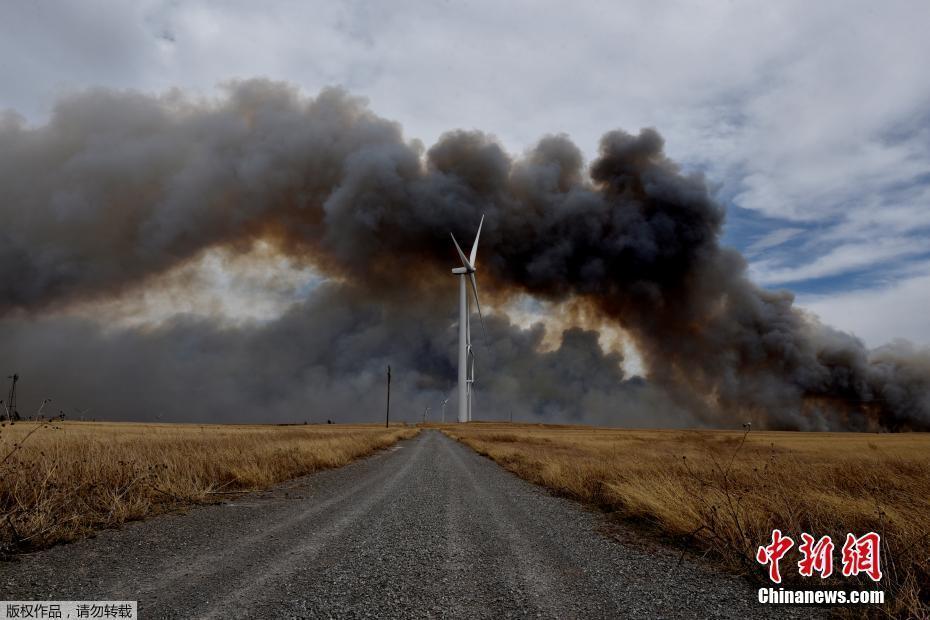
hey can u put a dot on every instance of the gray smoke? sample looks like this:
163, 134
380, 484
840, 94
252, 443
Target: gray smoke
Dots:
323, 359
119, 188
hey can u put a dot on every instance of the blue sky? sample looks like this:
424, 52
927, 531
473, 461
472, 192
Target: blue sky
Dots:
811, 120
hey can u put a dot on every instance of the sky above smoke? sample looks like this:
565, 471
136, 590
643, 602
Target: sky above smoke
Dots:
809, 124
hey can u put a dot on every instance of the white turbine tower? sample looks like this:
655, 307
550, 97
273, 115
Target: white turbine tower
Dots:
466, 355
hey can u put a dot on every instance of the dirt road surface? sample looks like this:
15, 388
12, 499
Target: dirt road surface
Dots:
424, 529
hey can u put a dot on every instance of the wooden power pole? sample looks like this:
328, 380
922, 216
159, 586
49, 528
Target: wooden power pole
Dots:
11, 412
387, 415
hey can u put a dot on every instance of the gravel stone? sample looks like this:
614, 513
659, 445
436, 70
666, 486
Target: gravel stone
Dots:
425, 529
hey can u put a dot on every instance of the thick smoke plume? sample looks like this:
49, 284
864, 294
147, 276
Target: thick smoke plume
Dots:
119, 188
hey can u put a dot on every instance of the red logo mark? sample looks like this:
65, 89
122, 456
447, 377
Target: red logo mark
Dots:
860, 555
772, 553
817, 557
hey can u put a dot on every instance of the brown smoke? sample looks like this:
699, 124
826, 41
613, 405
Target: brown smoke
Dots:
120, 187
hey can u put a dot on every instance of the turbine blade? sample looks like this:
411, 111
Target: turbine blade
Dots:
474, 246
461, 253
474, 287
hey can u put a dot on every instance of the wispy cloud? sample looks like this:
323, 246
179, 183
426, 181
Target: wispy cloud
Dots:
841, 259
773, 239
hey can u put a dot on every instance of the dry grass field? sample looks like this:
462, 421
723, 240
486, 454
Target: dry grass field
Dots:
67, 479
723, 492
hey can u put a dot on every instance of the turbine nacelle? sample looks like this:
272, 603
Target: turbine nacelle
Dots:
468, 266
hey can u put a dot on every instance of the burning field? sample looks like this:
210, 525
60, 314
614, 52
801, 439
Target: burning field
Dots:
723, 492
121, 192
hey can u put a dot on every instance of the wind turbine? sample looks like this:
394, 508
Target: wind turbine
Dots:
466, 355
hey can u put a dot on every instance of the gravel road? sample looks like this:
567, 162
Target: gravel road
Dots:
424, 529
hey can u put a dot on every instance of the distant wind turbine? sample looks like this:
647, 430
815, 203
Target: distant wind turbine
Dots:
466, 355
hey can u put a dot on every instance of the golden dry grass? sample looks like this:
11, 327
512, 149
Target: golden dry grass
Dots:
719, 492
71, 478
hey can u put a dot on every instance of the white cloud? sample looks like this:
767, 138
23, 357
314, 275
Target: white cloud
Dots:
785, 83
773, 239
878, 316
841, 259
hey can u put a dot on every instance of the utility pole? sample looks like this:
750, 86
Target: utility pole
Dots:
387, 415
11, 412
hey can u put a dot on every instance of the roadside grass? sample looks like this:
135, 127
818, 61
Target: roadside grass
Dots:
723, 492
60, 481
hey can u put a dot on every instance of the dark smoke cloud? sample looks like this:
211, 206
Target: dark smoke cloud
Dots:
323, 359
120, 187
